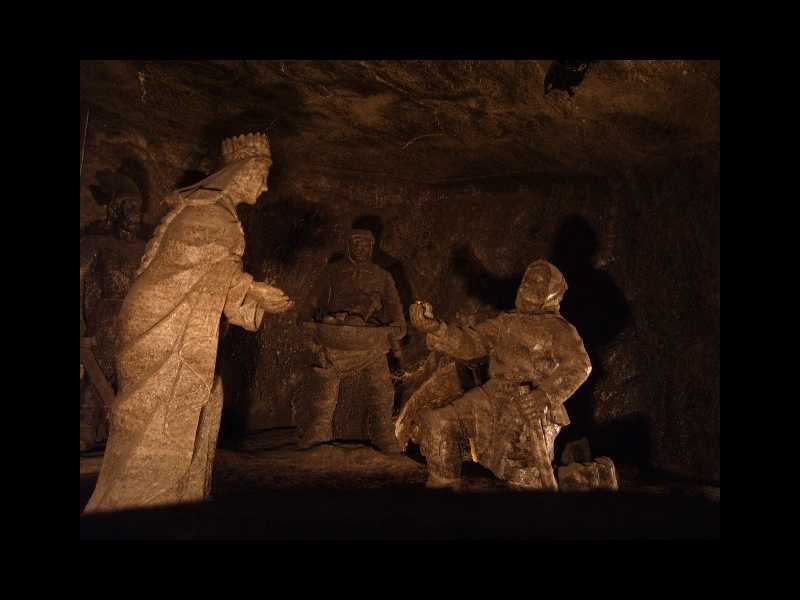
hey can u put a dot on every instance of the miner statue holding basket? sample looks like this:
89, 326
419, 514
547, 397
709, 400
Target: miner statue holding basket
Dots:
353, 319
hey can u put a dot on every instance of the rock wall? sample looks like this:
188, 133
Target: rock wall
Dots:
618, 186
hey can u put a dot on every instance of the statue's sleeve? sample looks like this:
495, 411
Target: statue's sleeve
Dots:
465, 343
394, 309
573, 367
239, 309
317, 299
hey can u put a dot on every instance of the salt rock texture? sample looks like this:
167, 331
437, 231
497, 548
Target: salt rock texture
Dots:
466, 172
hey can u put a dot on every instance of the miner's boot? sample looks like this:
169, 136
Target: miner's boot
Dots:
381, 401
441, 445
317, 424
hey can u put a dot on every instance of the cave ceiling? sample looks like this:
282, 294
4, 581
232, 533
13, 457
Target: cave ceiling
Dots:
423, 121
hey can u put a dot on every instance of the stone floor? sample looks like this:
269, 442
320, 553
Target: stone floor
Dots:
268, 468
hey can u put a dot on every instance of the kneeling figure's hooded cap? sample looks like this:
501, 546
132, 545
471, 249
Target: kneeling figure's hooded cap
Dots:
542, 288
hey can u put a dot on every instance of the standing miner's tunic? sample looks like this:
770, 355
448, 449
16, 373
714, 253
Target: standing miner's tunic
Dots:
357, 294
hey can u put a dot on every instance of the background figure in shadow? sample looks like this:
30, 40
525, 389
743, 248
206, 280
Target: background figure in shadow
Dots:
595, 306
111, 250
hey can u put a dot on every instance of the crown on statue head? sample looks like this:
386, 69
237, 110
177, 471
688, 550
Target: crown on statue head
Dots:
245, 146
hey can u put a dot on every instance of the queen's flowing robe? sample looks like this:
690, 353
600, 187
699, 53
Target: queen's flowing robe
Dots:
165, 420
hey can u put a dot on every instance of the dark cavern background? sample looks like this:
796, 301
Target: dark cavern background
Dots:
466, 171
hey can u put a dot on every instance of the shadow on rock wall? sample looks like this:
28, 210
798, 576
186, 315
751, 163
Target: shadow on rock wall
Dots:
277, 233
499, 293
190, 177
598, 310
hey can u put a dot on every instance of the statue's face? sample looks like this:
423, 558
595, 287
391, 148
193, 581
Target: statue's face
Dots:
535, 285
360, 248
255, 182
129, 216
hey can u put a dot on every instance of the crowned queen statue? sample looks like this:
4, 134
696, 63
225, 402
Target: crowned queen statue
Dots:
166, 415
